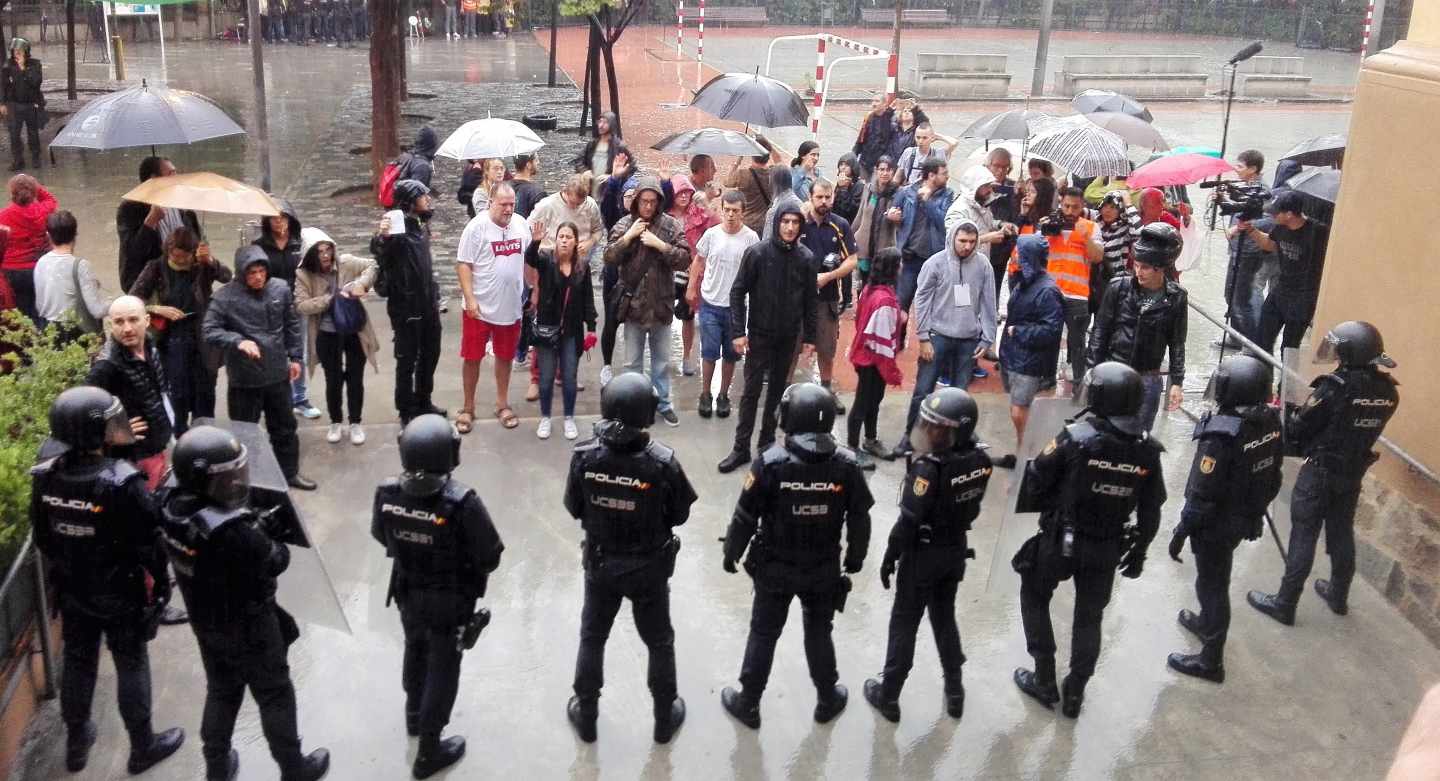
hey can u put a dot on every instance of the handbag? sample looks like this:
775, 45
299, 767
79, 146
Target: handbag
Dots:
625, 296
348, 314
549, 335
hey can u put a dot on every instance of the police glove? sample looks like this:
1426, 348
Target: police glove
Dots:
1177, 544
853, 566
1257, 528
729, 565
887, 569
1133, 563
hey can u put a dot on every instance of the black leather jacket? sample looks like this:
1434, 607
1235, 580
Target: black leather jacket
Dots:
1139, 339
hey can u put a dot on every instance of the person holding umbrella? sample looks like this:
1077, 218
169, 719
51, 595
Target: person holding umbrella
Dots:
23, 102
143, 229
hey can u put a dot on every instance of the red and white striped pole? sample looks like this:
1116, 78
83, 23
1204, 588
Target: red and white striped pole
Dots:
819, 102
679, 27
1365, 41
892, 75
700, 52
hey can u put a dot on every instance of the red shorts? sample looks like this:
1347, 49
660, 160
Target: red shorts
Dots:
475, 333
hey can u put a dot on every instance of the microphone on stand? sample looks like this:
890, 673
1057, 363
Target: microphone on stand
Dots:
1246, 53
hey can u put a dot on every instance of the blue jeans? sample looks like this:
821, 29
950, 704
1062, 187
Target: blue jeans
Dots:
954, 358
905, 288
300, 389
1154, 396
451, 21
567, 354
715, 339
1247, 296
657, 337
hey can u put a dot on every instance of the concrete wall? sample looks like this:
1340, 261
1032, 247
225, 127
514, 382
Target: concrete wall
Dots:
1380, 268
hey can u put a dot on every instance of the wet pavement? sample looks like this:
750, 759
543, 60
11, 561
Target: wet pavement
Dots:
1326, 699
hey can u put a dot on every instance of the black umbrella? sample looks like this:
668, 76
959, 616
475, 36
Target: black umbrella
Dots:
1004, 125
1321, 183
1093, 101
1320, 150
752, 99
710, 141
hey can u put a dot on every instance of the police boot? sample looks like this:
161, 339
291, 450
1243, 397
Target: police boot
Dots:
735, 460
1270, 605
668, 718
1328, 592
78, 740
412, 723
311, 767
436, 754
955, 697
228, 771
887, 704
743, 707
1039, 684
152, 749
1072, 695
830, 703
1198, 666
583, 714
1191, 623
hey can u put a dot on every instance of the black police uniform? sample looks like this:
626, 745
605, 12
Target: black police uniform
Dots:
794, 503
97, 525
1100, 475
445, 547
1234, 477
227, 565
940, 499
1335, 431
628, 493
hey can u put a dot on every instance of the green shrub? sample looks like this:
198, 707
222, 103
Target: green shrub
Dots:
34, 367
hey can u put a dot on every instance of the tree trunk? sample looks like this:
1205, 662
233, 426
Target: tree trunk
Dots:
608, 50
595, 43
585, 87
387, 53
70, 50
401, 26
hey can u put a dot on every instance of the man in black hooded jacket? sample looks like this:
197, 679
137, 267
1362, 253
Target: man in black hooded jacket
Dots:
412, 299
419, 162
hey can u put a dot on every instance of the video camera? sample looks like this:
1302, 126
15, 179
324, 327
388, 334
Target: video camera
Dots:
1055, 223
1247, 201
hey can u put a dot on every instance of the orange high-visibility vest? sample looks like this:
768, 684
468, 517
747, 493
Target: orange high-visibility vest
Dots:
1068, 264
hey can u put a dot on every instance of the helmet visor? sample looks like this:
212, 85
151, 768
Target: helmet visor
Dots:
117, 427
229, 483
1329, 352
929, 437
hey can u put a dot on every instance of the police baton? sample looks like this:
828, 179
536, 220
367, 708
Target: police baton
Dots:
1276, 535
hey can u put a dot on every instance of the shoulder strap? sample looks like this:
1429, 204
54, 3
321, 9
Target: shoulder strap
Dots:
761, 187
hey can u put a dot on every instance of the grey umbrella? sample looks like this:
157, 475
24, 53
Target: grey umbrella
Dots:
752, 99
1004, 125
1320, 150
1322, 183
1092, 101
145, 116
710, 141
1134, 130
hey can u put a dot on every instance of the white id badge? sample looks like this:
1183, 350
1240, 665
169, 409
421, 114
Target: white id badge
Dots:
962, 294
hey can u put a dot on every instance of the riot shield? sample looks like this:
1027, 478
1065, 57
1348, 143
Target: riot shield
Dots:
305, 588
1048, 418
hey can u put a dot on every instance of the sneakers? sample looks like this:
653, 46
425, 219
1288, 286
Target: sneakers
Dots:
979, 372
669, 416
571, 431
877, 448
707, 405
735, 460
335, 433
606, 375
357, 435
543, 430
307, 410
722, 406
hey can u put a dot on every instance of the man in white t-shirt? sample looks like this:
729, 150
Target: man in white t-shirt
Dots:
717, 260
491, 265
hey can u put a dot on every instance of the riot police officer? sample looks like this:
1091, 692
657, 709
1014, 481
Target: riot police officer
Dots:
1335, 431
227, 562
1234, 477
96, 524
1088, 480
796, 499
445, 547
628, 492
941, 498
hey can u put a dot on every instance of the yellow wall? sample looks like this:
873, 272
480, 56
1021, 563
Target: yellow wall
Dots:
1425, 23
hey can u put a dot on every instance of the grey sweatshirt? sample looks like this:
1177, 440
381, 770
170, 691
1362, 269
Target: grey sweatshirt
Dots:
936, 308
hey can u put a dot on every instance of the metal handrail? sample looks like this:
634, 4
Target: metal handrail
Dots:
1411, 461
29, 556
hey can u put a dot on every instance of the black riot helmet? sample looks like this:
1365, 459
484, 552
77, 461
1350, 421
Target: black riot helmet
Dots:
210, 462
807, 408
429, 452
407, 192
630, 400
86, 418
1355, 343
1114, 391
1240, 381
1159, 245
952, 408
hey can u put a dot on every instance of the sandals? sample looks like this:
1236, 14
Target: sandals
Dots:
507, 417
465, 421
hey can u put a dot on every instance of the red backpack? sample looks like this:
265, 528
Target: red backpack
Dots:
389, 175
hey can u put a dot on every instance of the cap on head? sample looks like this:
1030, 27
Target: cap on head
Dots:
807, 408
407, 192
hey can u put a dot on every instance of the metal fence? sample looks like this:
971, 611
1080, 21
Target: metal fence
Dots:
24, 628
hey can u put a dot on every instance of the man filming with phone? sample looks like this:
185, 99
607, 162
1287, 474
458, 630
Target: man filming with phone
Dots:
1299, 244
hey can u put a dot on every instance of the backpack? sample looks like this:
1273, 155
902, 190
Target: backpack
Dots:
389, 175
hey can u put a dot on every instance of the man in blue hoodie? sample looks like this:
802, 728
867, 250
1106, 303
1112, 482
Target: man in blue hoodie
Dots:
1034, 321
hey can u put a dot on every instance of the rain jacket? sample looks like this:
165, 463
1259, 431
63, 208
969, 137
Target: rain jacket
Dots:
1035, 313
22, 85
417, 163
1136, 336
647, 274
313, 295
26, 239
935, 306
139, 243
779, 278
873, 232
968, 207
875, 137
847, 199
282, 260
575, 316
266, 317
153, 287
405, 263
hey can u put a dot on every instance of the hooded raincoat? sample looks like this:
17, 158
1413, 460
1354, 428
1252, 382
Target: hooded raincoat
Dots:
315, 291
266, 316
1035, 315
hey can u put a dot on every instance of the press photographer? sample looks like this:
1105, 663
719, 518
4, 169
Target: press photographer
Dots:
1074, 247
1251, 267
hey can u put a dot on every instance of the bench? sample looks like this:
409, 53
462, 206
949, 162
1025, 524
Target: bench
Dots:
736, 14
958, 75
1139, 75
1273, 77
886, 16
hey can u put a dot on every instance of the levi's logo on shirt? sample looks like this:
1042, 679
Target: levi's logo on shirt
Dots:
505, 247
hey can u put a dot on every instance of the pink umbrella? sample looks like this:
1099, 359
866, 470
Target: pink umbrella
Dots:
1178, 169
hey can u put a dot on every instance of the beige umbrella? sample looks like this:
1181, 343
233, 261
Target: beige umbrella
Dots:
204, 192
